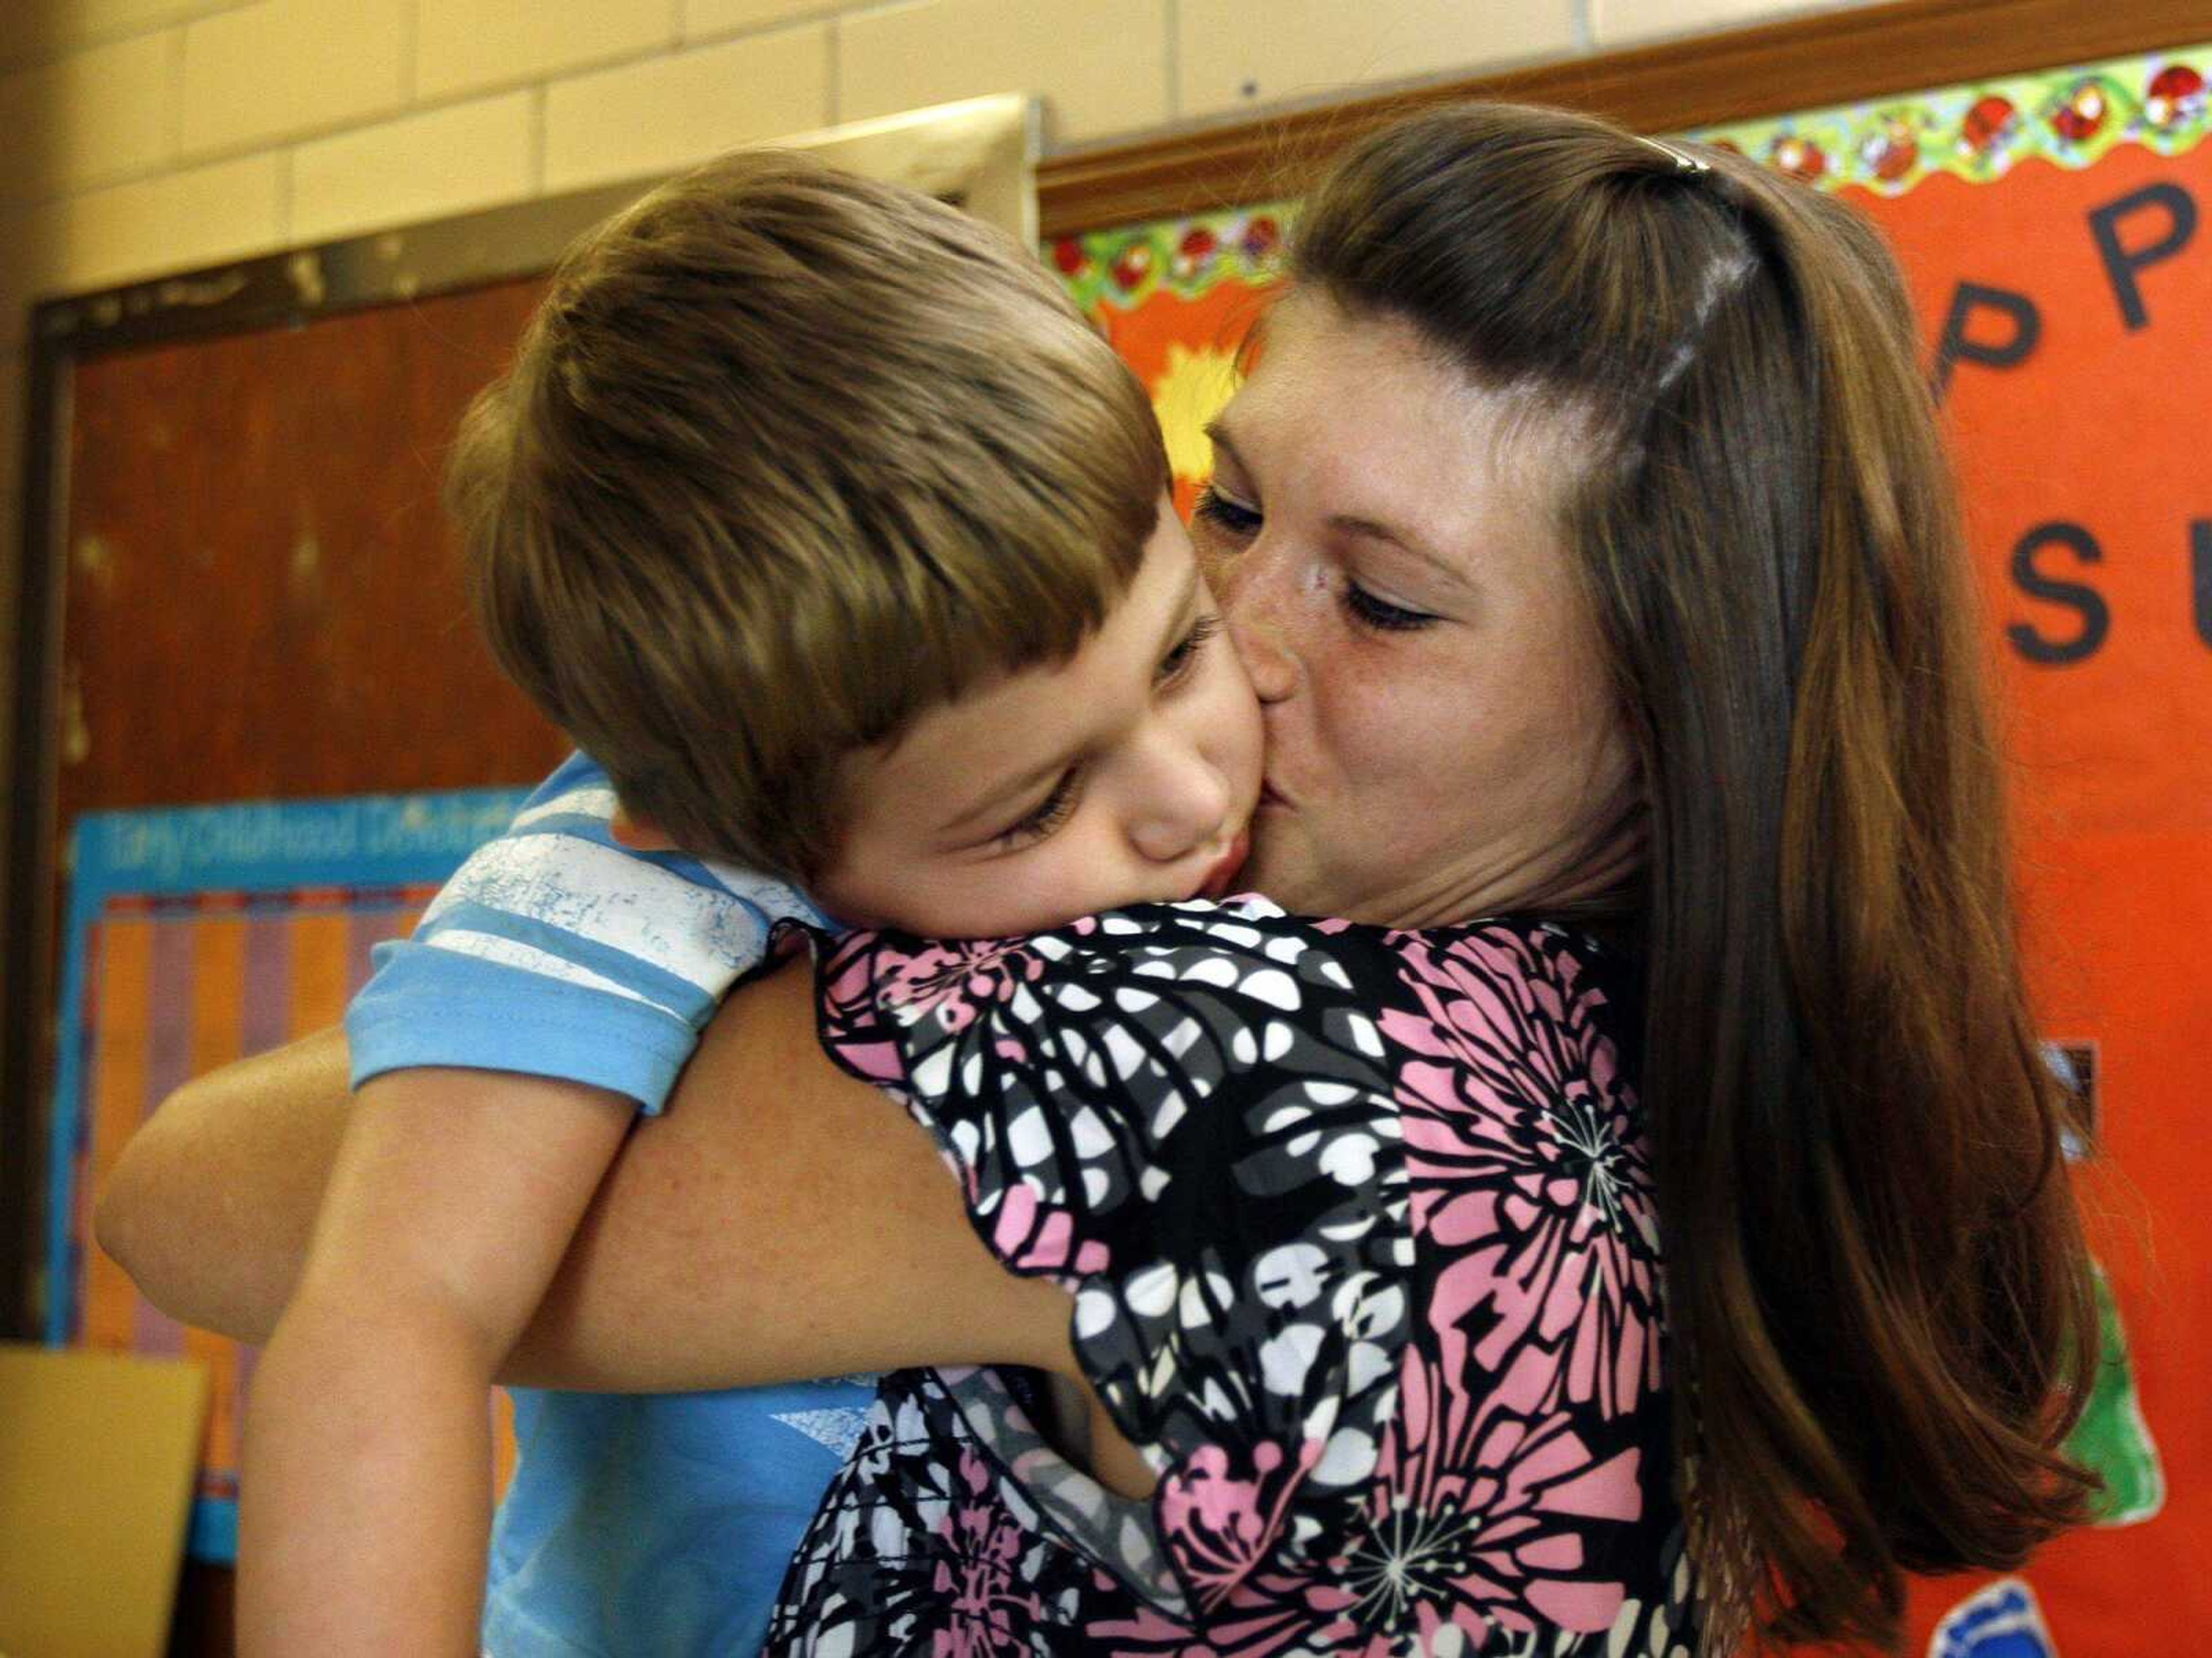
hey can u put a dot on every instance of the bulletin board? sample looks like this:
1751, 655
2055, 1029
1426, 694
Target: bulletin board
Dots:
2049, 225
197, 937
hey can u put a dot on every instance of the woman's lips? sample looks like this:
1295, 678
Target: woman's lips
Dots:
1231, 863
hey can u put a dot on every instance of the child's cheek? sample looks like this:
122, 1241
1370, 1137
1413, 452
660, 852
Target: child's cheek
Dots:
1052, 888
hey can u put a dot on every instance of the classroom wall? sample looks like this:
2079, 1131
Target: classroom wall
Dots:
144, 136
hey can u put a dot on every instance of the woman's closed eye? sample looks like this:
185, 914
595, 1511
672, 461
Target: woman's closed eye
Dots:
1380, 614
1226, 513
1237, 520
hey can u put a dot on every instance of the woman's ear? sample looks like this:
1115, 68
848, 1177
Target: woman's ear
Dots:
638, 835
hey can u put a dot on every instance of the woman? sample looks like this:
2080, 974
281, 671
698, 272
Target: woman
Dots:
1584, 532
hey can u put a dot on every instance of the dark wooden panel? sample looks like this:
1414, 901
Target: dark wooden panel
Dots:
206, 1622
261, 599
1810, 63
256, 598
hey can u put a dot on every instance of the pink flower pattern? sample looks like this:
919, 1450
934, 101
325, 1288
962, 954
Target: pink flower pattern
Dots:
1361, 1232
989, 1609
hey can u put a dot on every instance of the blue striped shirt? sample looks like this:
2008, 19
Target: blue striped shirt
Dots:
656, 1524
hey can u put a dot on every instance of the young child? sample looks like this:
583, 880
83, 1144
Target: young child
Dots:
819, 517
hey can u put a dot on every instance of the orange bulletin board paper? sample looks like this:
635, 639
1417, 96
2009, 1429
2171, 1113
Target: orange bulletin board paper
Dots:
2054, 234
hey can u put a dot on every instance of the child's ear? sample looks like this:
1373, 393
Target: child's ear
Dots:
636, 834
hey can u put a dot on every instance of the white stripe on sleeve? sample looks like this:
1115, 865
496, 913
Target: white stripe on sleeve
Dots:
486, 947
615, 901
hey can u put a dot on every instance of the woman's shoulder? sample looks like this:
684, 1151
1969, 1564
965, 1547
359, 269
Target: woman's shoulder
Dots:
1247, 943
1064, 1065
1150, 1007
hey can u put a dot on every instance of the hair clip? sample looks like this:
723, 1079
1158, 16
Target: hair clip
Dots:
1681, 158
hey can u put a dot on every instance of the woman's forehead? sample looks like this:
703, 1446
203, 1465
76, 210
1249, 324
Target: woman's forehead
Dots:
1363, 417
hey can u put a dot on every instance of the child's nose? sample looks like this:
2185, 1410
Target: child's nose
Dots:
1182, 803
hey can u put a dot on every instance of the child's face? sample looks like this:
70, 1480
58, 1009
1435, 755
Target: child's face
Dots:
1126, 775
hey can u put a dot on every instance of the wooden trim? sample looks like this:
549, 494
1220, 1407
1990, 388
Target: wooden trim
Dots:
1836, 57
26, 960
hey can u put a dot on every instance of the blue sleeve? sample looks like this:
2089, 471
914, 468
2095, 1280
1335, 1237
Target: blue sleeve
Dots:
556, 952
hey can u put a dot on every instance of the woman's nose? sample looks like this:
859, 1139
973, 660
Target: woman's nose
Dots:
1251, 604
1182, 800
1267, 661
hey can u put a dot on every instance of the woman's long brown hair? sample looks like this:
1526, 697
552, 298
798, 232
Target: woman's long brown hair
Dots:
1881, 1306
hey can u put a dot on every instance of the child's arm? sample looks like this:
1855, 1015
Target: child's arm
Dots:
554, 951
557, 979
366, 1489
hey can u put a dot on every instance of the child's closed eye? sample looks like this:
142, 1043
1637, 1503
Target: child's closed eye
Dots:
1048, 816
1177, 664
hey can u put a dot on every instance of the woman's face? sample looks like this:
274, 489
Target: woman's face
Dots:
1382, 533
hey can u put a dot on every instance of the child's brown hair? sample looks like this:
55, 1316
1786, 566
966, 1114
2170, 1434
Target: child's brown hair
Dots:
786, 457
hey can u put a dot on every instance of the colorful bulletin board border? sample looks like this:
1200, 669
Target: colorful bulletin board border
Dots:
196, 935
2071, 118
1189, 257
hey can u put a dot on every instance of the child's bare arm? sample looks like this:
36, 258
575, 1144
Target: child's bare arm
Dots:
366, 1480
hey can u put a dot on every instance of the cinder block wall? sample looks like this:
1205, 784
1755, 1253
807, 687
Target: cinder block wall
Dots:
143, 136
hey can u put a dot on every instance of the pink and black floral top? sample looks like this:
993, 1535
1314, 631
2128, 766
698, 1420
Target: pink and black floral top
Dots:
1360, 1227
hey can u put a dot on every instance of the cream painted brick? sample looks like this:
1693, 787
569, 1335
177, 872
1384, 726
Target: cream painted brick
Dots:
1632, 22
423, 167
199, 216
30, 29
91, 116
659, 115
287, 67
1102, 68
1232, 54
462, 45
703, 19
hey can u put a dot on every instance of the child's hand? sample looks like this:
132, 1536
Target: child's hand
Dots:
366, 1489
